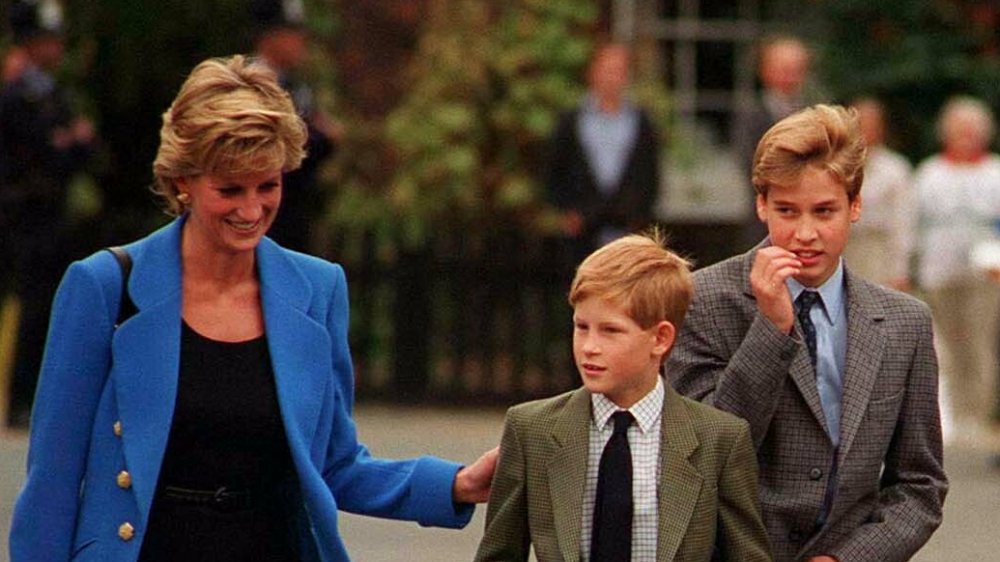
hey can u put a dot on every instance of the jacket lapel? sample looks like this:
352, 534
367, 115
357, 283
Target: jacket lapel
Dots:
801, 370
680, 483
146, 351
146, 357
567, 472
299, 346
866, 340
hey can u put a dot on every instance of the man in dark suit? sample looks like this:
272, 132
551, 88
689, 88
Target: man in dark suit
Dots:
836, 376
281, 40
603, 171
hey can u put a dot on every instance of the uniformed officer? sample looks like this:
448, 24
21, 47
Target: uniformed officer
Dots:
42, 144
281, 40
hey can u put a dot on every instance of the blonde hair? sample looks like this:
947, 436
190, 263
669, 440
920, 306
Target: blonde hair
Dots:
825, 137
653, 283
230, 117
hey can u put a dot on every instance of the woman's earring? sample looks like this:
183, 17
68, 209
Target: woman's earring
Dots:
184, 198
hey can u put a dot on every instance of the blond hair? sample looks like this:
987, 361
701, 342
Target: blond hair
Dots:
230, 117
637, 271
825, 137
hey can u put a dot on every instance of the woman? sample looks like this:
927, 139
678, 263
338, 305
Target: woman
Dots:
959, 197
214, 423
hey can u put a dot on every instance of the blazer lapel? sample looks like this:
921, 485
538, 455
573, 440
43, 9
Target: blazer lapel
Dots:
866, 340
801, 370
299, 346
567, 472
680, 483
146, 357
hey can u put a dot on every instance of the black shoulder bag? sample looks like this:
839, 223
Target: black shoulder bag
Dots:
126, 308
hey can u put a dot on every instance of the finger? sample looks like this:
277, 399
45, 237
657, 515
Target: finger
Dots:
777, 271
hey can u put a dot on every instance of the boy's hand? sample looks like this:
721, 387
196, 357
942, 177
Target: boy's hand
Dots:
771, 267
823, 559
473, 482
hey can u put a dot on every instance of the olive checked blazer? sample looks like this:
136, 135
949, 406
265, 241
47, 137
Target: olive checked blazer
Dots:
106, 397
707, 490
890, 487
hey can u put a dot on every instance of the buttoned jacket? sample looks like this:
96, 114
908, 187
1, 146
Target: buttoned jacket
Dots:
891, 485
106, 398
706, 505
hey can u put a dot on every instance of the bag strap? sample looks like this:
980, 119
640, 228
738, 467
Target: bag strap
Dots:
126, 308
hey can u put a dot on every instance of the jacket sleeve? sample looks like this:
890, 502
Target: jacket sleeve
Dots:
417, 489
744, 378
913, 484
506, 536
742, 534
74, 370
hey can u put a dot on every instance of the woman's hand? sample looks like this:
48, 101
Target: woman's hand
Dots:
472, 483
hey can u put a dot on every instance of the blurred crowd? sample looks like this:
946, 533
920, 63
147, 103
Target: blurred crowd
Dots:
921, 225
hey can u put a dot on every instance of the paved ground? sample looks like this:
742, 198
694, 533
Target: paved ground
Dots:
969, 532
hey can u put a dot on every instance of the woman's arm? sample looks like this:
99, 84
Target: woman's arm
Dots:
74, 370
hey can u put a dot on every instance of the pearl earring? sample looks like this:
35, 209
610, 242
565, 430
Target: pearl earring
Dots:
184, 198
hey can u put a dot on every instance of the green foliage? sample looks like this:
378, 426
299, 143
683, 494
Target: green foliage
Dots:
914, 55
466, 143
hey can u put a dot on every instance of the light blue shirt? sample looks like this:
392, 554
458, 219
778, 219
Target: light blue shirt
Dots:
829, 317
607, 140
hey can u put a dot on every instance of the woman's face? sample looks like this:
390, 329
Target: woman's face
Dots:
231, 213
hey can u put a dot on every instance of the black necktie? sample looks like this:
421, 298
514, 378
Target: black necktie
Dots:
804, 304
612, 533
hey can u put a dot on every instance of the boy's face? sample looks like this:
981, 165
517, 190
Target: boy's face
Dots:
812, 220
615, 356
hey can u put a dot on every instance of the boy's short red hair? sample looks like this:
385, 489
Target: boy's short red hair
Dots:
652, 282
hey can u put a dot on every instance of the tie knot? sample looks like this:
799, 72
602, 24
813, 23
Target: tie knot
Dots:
806, 300
623, 419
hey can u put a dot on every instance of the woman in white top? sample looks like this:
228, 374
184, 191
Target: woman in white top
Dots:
959, 197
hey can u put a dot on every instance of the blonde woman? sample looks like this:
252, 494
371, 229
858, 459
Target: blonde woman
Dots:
215, 422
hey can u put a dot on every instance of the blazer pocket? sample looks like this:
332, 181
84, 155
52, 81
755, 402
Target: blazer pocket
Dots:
884, 401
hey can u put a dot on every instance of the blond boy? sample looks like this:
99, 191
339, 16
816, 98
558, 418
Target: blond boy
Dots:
836, 375
690, 468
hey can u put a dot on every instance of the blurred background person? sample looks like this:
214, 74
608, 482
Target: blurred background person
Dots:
281, 40
604, 170
958, 193
882, 241
43, 143
783, 64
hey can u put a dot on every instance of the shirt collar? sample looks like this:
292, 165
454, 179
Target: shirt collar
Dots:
646, 412
831, 292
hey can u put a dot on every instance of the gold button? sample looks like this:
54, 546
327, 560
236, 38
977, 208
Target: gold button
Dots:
126, 531
124, 480
118, 428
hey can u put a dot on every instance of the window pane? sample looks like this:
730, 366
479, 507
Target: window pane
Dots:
668, 9
719, 9
715, 65
717, 124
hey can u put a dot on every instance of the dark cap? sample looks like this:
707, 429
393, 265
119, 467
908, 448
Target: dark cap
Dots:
269, 14
32, 18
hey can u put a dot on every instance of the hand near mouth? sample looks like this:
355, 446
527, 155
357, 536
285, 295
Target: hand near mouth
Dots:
772, 266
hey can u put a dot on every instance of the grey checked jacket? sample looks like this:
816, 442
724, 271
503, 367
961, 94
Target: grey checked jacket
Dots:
731, 356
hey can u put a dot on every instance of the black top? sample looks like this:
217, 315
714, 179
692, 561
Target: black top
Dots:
226, 432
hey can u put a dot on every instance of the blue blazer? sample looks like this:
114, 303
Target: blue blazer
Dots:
105, 401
